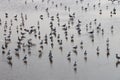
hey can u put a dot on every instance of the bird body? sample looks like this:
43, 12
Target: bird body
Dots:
69, 54
9, 58
91, 32
85, 53
25, 57
75, 64
118, 57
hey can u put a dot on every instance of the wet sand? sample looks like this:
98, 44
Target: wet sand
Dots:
59, 40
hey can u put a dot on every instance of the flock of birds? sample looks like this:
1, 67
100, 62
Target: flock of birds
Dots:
26, 37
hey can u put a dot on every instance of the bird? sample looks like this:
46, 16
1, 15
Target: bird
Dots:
69, 54
75, 64
17, 49
112, 1
3, 47
97, 48
79, 21
8, 52
50, 57
3, 52
9, 58
85, 53
117, 57
91, 32
75, 47
40, 53
25, 57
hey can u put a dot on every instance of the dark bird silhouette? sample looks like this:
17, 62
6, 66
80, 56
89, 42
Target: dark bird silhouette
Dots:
3, 47
91, 32
75, 64
25, 57
69, 54
117, 57
9, 58
85, 53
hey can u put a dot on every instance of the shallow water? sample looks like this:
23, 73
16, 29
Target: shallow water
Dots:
96, 67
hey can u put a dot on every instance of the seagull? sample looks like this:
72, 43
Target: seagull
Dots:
75, 64
85, 53
9, 58
25, 57
91, 32
118, 57
69, 54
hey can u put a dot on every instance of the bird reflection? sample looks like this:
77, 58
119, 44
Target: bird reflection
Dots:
75, 69
69, 59
61, 48
117, 63
25, 62
98, 53
10, 63
51, 61
108, 54
17, 55
85, 58
3, 52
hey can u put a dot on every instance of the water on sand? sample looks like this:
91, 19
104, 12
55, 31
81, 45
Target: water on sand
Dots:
59, 40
